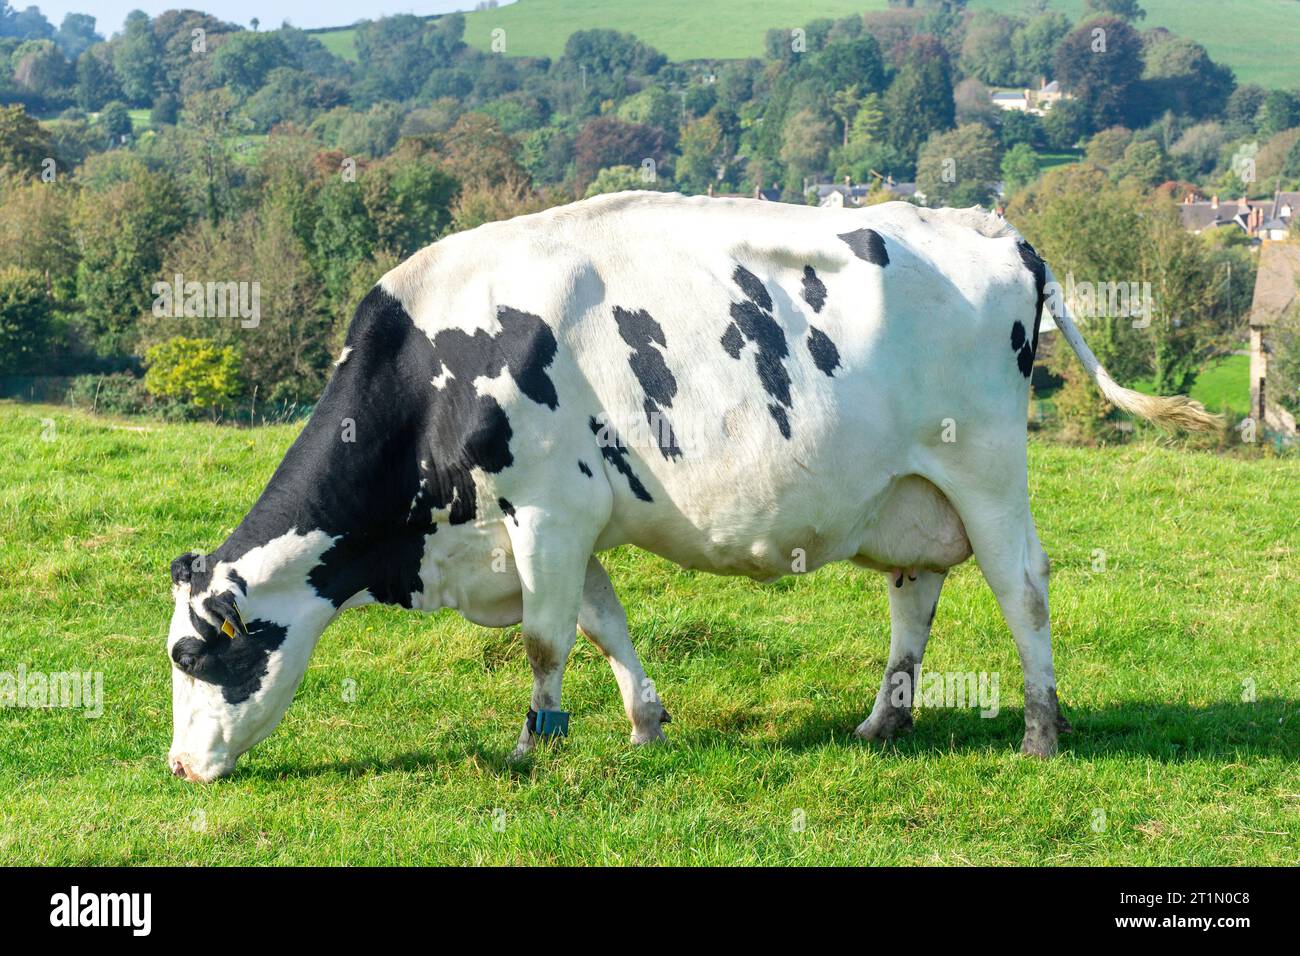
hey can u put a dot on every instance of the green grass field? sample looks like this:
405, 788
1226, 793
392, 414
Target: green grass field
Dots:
1241, 33
341, 42
1178, 664
1223, 385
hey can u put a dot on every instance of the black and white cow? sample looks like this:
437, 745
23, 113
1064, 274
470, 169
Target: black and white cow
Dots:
808, 386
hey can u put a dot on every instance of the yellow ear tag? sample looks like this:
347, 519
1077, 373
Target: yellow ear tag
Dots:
228, 629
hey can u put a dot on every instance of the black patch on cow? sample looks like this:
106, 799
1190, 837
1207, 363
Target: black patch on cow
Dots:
183, 568
614, 451
1024, 351
582, 467
825, 355
236, 665
781, 418
752, 321
1038, 269
732, 340
641, 332
867, 244
507, 509
238, 581
814, 291
414, 450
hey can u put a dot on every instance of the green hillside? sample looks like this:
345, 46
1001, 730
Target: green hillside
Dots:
1242, 33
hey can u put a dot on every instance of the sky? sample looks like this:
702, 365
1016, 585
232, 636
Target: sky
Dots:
109, 14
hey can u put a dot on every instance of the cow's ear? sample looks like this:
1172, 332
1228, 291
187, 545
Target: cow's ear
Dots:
227, 611
184, 567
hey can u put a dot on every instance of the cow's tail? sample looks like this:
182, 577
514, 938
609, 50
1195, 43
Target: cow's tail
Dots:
1176, 411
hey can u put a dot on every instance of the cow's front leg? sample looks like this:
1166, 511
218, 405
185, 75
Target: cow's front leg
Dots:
603, 619
551, 558
912, 604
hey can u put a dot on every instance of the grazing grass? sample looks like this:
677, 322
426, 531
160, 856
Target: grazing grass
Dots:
1223, 385
1175, 610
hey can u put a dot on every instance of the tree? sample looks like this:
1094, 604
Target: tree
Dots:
1019, 167
1180, 77
1100, 62
806, 143
24, 144
987, 51
76, 35
36, 233
1128, 9
41, 70
244, 59
26, 319
701, 144
208, 126
608, 141
918, 103
114, 123
1106, 148
959, 168
1144, 163
123, 232
1034, 45
852, 63
1064, 124
137, 60
844, 104
1281, 110
96, 81
614, 179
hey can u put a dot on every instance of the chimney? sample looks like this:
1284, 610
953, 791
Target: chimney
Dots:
710, 189
848, 181
1214, 202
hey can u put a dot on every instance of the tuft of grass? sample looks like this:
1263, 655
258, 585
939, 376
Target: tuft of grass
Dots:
1174, 608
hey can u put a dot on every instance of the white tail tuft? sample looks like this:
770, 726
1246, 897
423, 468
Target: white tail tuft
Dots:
1176, 411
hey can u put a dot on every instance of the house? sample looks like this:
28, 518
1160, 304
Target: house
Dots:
1258, 218
839, 195
1276, 295
1037, 101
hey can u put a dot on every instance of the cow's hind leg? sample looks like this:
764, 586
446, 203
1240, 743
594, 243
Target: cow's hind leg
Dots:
911, 612
551, 558
1016, 567
603, 619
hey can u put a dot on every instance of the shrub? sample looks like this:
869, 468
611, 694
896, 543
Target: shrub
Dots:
197, 371
120, 393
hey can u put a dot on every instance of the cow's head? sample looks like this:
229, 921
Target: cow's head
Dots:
236, 663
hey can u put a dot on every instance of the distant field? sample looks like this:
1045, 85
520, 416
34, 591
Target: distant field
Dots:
1257, 38
341, 42
1248, 35
1048, 161
1177, 659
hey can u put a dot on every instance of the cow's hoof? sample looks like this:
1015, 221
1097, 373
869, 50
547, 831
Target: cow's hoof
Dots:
1039, 744
651, 731
886, 724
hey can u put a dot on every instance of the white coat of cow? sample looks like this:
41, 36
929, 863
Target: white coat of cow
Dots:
815, 385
